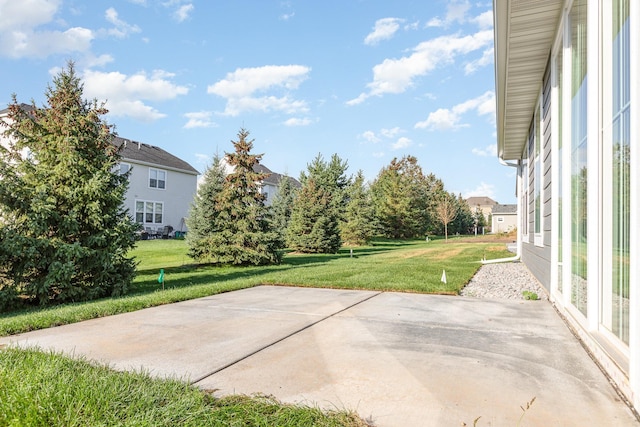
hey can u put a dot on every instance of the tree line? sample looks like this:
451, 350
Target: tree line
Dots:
229, 222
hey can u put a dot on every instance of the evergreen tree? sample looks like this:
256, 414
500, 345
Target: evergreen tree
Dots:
404, 199
316, 229
283, 204
66, 234
245, 234
314, 225
463, 222
358, 226
203, 216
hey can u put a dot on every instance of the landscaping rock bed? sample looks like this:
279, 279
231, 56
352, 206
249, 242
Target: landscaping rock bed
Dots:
503, 281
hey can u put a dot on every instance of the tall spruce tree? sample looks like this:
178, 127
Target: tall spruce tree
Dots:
203, 215
316, 229
244, 233
358, 226
65, 234
314, 224
283, 204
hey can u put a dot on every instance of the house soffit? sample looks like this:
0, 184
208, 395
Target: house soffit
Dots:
524, 31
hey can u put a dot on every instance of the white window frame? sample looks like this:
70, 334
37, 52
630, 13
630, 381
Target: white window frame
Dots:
538, 175
157, 172
153, 213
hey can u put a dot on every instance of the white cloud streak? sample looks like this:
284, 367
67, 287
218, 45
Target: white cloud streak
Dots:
383, 29
125, 94
450, 119
240, 88
199, 119
394, 76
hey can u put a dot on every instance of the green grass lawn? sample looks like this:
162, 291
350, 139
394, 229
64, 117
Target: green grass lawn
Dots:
47, 389
38, 388
404, 266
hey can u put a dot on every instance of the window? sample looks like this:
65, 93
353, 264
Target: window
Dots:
157, 178
537, 176
525, 200
557, 129
124, 168
616, 120
579, 214
148, 212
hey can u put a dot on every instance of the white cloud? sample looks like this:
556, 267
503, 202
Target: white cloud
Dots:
369, 136
390, 133
383, 29
456, 12
484, 20
446, 119
125, 94
486, 59
199, 119
121, 28
295, 121
482, 190
397, 75
402, 142
287, 16
489, 151
26, 14
378, 154
183, 12
240, 88
21, 36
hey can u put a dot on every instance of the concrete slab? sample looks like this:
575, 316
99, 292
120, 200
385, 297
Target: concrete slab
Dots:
194, 338
398, 359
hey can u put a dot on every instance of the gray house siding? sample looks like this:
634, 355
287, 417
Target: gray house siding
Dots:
537, 257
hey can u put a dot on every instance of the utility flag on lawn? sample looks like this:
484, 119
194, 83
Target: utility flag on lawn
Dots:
161, 276
443, 279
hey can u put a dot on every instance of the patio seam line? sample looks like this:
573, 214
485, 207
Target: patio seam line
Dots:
279, 340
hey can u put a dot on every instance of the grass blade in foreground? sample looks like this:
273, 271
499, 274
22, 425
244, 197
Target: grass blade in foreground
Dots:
48, 389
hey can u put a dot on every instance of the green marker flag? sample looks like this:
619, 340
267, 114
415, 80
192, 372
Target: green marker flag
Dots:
161, 276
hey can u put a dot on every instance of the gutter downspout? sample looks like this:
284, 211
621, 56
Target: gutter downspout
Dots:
518, 237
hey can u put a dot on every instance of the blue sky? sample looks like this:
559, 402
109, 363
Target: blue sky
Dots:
369, 80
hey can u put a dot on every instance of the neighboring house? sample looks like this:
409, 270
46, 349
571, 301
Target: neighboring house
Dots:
270, 184
504, 218
161, 186
485, 204
568, 120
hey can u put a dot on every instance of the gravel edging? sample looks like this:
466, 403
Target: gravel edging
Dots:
503, 281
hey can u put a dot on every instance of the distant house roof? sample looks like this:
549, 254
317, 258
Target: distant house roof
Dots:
504, 209
481, 201
150, 154
139, 152
273, 178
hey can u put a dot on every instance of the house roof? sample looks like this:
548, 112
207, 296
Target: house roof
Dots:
523, 31
273, 178
504, 209
481, 201
139, 152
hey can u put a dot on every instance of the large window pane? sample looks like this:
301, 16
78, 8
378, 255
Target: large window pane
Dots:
615, 312
578, 20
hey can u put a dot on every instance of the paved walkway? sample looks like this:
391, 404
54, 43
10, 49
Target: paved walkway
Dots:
397, 359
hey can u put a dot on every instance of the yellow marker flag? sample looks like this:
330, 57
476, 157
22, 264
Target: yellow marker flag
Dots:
443, 279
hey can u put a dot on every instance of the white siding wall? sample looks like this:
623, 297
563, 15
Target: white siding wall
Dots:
177, 196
